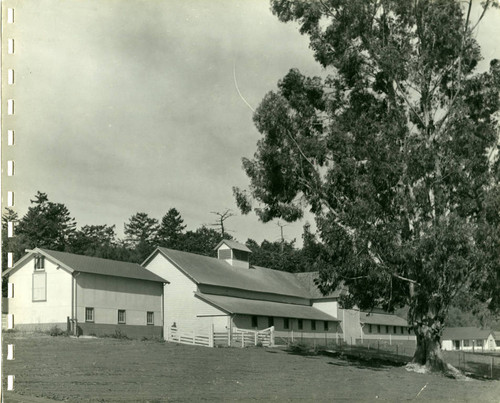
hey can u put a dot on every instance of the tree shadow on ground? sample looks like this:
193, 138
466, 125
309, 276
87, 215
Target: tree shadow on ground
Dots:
362, 362
482, 371
375, 366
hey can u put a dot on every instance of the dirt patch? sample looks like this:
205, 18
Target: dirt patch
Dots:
108, 370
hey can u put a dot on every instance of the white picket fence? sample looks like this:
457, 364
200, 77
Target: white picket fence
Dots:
235, 338
190, 337
245, 337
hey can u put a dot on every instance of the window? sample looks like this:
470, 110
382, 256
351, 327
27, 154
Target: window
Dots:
402, 329
89, 314
394, 330
301, 324
225, 254
39, 262
286, 323
121, 316
313, 325
254, 321
270, 321
369, 328
150, 318
378, 328
325, 326
39, 290
466, 343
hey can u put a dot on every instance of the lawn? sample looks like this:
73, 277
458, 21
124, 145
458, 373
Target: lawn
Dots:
107, 370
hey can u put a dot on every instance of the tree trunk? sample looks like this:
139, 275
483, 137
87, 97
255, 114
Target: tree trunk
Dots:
428, 352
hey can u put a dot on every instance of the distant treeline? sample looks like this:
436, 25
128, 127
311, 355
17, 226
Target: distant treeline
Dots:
50, 225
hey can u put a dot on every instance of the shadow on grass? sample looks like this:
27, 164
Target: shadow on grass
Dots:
346, 359
482, 371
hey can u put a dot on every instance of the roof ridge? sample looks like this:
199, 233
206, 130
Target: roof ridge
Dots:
49, 251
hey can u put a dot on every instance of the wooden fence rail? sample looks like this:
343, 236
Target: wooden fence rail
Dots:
234, 337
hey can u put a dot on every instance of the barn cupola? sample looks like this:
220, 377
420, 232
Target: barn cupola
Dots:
234, 253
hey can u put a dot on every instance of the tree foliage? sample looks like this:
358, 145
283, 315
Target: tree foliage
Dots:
46, 225
202, 241
171, 229
395, 152
95, 240
141, 234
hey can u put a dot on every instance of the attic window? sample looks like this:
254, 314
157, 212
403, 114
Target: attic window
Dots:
39, 262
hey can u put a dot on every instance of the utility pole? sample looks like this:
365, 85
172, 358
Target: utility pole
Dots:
282, 236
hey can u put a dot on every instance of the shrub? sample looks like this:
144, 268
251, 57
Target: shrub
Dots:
119, 335
56, 331
156, 339
299, 348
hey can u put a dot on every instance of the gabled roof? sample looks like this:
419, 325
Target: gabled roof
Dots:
307, 280
212, 271
233, 245
265, 308
389, 319
87, 264
465, 333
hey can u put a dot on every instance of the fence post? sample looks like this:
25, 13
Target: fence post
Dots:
491, 368
229, 337
211, 339
242, 340
272, 336
256, 338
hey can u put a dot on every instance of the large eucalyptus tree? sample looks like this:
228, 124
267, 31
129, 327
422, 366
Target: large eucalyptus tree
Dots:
395, 152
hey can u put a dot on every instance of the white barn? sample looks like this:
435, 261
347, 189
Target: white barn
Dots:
226, 293
88, 294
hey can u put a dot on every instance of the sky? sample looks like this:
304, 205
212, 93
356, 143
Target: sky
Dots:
126, 106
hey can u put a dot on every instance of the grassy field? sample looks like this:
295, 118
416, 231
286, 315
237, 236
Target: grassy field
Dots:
107, 370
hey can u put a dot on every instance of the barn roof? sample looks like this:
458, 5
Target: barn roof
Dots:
88, 264
465, 333
244, 306
212, 271
373, 318
307, 280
